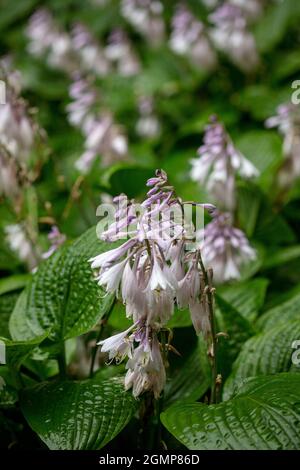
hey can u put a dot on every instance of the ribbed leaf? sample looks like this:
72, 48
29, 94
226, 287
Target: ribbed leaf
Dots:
18, 351
265, 414
7, 303
281, 314
247, 297
78, 415
190, 376
63, 295
266, 353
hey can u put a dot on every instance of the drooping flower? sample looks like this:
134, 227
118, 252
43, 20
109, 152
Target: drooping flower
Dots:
231, 36
120, 53
20, 243
91, 55
146, 17
225, 248
218, 164
103, 137
148, 124
287, 121
154, 268
46, 39
188, 38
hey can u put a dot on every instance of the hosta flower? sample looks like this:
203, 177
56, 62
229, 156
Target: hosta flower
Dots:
231, 36
225, 248
46, 39
16, 127
120, 52
56, 238
146, 17
102, 136
91, 54
20, 243
149, 272
9, 184
218, 164
287, 121
188, 38
252, 9
148, 124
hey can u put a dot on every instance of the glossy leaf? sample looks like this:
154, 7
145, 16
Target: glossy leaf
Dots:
265, 414
62, 295
78, 415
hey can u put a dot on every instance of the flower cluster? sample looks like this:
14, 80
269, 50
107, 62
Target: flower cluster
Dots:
231, 36
218, 165
121, 54
146, 17
188, 37
102, 136
225, 248
151, 270
287, 121
79, 51
147, 125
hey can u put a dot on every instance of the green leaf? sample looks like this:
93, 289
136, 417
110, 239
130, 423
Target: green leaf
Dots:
284, 255
78, 415
238, 329
12, 283
126, 179
264, 415
246, 297
190, 376
264, 149
271, 29
7, 303
8, 394
62, 295
267, 353
18, 351
280, 315
13, 11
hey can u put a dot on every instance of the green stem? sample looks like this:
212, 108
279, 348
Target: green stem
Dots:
213, 354
62, 364
101, 326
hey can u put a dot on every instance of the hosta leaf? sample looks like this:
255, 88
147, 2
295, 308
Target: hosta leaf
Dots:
18, 351
281, 314
247, 297
7, 303
62, 295
282, 256
238, 329
190, 376
266, 353
13, 283
78, 415
265, 414
8, 394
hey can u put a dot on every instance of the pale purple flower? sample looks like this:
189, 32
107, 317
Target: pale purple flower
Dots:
56, 239
188, 38
146, 17
225, 249
46, 39
91, 54
103, 137
149, 272
20, 243
120, 53
218, 164
287, 121
231, 36
148, 125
